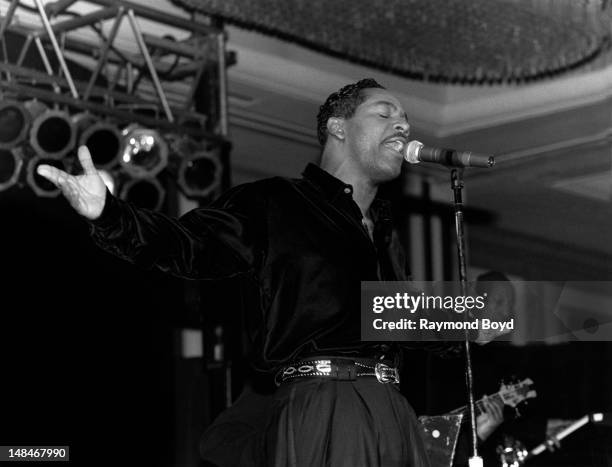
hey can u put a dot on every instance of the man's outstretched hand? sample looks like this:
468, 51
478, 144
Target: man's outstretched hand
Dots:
86, 193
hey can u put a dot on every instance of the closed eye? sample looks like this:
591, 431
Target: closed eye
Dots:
383, 115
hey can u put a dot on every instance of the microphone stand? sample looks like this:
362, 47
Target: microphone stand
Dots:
457, 187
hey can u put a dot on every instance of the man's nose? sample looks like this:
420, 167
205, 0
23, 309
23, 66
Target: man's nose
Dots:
402, 125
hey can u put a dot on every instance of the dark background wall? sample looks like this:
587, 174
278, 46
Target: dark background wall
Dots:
86, 340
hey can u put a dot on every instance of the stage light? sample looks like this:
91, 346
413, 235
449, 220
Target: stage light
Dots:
199, 175
52, 134
144, 192
10, 167
14, 124
104, 142
196, 165
40, 185
144, 152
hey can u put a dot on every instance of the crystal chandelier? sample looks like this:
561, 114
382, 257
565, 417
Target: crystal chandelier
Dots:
450, 41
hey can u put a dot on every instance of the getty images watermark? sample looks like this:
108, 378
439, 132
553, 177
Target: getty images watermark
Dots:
484, 311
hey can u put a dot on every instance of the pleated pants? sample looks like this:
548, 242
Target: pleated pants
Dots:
313, 422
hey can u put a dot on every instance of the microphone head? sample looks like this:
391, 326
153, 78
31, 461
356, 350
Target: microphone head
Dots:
412, 152
479, 160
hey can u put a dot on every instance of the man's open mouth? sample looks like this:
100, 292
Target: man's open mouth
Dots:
397, 144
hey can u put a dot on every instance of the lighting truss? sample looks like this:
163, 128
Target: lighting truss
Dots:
145, 65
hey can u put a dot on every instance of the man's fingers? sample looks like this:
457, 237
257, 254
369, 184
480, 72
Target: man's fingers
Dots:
497, 411
487, 403
86, 162
53, 174
493, 408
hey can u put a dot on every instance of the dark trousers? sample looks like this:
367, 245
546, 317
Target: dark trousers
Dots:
318, 422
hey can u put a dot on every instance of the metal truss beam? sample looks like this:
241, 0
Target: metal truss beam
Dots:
58, 33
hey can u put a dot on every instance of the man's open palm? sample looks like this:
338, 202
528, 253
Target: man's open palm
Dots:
86, 193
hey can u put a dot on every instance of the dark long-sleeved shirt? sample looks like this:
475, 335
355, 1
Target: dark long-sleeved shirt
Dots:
302, 244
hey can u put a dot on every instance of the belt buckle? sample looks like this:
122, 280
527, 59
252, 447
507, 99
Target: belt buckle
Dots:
386, 374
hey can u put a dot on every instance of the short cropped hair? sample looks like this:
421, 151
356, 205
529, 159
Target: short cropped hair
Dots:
342, 103
492, 276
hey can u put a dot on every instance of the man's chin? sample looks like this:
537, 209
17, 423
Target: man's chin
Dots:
393, 171
384, 176
386, 170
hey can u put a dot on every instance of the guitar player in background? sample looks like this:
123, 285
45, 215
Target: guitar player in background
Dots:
492, 365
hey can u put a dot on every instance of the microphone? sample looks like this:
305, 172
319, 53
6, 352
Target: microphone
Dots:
416, 152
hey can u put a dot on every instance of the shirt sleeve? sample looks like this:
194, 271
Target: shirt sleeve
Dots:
206, 243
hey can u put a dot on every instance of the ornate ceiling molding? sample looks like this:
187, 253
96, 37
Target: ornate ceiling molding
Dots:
438, 110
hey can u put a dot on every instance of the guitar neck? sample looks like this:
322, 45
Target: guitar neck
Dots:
511, 394
478, 405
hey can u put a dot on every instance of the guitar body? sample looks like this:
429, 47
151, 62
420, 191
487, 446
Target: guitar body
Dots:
440, 434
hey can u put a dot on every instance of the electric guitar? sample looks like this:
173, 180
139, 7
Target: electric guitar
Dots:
441, 431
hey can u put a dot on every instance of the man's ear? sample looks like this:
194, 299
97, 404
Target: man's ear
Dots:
335, 127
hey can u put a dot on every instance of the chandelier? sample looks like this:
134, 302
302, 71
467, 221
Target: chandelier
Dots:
450, 41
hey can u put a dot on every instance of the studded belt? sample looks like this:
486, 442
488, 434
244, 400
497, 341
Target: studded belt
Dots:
342, 369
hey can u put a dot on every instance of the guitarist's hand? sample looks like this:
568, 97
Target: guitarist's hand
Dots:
488, 421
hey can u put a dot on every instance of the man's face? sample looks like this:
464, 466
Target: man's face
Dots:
499, 307
377, 135
500, 301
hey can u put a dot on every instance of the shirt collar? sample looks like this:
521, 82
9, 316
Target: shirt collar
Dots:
332, 187
329, 185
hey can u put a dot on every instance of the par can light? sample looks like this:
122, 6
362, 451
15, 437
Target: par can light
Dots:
52, 134
146, 193
103, 140
15, 122
200, 174
11, 161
